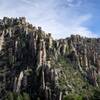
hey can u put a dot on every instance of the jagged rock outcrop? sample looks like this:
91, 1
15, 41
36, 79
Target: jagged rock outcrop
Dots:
29, 61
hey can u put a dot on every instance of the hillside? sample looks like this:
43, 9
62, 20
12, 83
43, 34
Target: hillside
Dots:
34, 66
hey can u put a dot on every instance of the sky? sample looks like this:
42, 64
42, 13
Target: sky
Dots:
59, 17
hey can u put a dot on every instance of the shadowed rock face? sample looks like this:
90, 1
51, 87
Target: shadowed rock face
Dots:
29, 60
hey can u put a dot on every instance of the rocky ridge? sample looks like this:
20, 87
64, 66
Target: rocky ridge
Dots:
32, 61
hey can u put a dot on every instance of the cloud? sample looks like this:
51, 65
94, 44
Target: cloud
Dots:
59, 17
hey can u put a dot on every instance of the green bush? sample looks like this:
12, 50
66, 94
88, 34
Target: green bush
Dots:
96, 95
16, 96
10, 96
73, 97
26, 96
19, 97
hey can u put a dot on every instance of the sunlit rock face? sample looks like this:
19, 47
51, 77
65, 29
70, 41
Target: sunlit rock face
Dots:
32, 61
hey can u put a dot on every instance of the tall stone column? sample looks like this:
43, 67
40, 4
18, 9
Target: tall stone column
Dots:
42, 53
1, 40
60, 96
85, 59
50, 41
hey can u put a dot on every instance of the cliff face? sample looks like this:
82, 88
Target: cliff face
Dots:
32, 61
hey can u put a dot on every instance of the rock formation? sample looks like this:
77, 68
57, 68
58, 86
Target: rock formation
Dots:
29, 61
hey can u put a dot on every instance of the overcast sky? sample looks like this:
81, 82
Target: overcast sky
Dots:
59, 17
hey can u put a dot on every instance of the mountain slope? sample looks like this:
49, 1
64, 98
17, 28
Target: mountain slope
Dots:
32, 63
